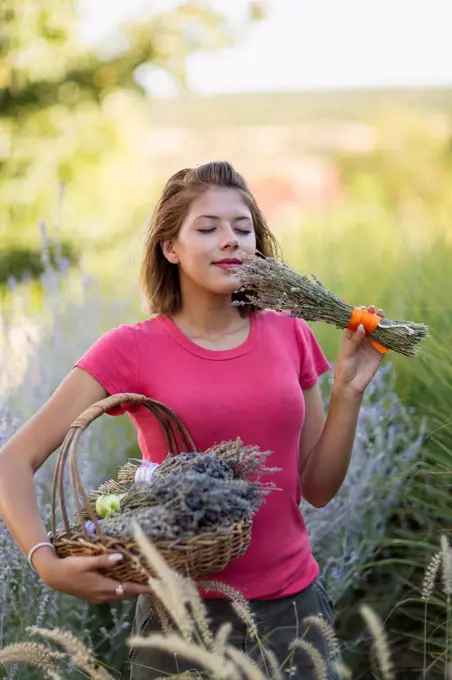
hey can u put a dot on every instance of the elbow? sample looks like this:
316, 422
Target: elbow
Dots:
317, 502
315, 497
10, 461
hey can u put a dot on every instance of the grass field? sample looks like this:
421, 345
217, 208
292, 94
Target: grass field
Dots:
277, 108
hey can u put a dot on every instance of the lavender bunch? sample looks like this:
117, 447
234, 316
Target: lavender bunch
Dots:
245, 460
272, 284
197, 462
184, 505
229, 459
195, 492
158, 523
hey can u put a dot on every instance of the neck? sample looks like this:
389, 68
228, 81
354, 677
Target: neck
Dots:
208, 315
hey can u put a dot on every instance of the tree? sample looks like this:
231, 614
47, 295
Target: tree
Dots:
54, 88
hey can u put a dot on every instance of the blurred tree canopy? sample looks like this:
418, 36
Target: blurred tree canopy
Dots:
57, 119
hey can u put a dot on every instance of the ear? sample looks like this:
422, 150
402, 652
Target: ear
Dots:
169, 252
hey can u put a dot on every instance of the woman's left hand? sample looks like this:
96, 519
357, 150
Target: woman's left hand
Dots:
358, 361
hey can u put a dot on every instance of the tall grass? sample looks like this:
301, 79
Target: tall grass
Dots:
188, 634
367, 255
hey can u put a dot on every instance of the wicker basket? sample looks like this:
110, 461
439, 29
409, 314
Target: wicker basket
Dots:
195, 557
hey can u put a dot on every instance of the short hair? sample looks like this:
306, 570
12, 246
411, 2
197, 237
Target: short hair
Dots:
160, 278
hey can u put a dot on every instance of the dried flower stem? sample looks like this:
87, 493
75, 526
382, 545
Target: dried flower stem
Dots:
239, 603
250, 670
380, 643
80, 655
327, 631
174, 644
34, 655
320, 669
428, 585
221, 639
446, 558
272, 284
430, 575
169, 587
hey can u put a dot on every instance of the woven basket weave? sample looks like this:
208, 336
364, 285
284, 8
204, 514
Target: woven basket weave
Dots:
195, 557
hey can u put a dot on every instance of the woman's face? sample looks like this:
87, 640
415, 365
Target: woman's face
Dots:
217, 226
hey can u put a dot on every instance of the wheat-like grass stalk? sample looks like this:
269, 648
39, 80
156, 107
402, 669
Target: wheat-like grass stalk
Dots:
274, 665
238, 602
327, 631
431, 572
272, 284
163, 615
380, 643
40, 656
342, 670
250, 670
175, 606
185, 675
80, 655
240, 606
221, 639
318, 662
34, 655
428, 585
218, 666
179, 596
446, 559
168, 586
199, 613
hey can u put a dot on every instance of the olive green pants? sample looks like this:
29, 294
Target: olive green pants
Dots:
278, 623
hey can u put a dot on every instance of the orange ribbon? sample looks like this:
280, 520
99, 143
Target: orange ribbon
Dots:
370, 321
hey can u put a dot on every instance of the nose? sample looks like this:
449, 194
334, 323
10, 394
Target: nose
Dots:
230, 240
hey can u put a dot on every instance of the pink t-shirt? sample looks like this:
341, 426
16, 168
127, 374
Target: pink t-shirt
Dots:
254, 392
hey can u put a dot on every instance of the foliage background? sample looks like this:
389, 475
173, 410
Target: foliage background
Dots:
356, 184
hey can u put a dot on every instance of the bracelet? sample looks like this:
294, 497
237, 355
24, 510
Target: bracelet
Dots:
36, 547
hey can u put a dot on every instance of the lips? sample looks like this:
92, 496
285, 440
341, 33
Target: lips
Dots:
227, 263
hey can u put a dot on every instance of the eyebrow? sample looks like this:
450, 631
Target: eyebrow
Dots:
216, 217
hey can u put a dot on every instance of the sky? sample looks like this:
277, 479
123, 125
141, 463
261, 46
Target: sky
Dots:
309, 45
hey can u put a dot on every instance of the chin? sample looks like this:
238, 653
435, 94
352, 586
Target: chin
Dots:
224, 290
225, 286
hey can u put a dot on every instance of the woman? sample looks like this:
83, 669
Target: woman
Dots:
228, 372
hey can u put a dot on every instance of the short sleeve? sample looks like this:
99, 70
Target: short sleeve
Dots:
113, 362
313, 362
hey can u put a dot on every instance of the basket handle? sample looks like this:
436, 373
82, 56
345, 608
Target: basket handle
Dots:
173, 428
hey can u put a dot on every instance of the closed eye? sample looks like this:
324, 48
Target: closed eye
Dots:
209, 230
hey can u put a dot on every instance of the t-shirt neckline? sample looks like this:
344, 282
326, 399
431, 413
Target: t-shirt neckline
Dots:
213, 354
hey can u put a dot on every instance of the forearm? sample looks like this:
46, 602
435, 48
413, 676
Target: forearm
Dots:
20, 512
327, 463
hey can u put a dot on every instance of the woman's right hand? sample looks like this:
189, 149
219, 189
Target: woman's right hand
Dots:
81, 577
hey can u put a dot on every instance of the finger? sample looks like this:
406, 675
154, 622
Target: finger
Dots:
135, 589
124, 590
355, 339
104, 561
110, 585
380, 313
371, 309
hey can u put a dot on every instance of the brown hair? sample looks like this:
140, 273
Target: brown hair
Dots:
159, 278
